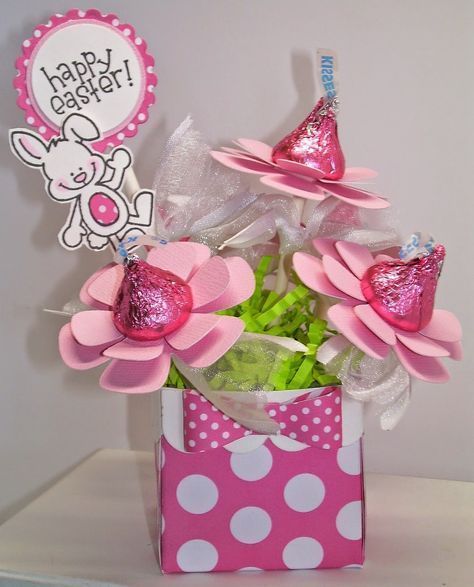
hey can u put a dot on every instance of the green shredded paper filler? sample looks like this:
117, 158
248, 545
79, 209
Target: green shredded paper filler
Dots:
248, 365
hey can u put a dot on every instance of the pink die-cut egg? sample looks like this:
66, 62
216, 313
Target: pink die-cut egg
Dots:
103, 209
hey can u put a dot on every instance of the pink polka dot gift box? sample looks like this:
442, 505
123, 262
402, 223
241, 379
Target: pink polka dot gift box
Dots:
233, 500
265, 322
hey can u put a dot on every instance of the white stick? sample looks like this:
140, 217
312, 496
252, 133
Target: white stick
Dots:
130, 185
282, 277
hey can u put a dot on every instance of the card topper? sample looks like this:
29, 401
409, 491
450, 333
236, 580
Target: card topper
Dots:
89, 63
100, 214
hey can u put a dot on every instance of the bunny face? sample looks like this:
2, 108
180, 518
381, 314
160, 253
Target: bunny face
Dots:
70, 167
66, 163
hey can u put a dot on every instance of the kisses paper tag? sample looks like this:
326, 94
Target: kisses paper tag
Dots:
327, 73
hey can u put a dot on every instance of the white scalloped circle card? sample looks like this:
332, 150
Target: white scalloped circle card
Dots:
88, 63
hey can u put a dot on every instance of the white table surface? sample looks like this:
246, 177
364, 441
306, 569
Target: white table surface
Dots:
96, 527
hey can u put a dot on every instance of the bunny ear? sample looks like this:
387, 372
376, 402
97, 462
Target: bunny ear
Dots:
79, 127
28, 147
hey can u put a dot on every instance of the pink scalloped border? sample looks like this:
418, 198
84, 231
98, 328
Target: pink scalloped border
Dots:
34, 118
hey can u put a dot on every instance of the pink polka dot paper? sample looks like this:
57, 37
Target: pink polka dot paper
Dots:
263, 509
313, 420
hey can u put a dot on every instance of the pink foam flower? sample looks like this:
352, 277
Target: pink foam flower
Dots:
299, 179
199, 339
419, 334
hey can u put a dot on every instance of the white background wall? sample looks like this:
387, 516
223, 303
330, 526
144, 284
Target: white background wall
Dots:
246, 68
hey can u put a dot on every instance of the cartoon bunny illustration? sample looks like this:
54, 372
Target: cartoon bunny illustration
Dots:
100, 214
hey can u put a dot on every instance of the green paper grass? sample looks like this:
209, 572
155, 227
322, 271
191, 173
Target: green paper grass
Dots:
291, 315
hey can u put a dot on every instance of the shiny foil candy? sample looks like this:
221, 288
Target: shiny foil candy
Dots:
151, 302
403, 293
315, 142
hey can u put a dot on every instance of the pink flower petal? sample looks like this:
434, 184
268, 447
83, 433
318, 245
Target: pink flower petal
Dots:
131, 350
355, 196
257, 149
443, 326
342, 278
358, 174
311, 272
193, 330
76, 355
105, 286
202, 254
94, 327
290, 184
326, 246
347, 323
356, 257
421, 345
209, 282
454, 349
245, 154
243, 164
180, 258
425, 368
375, 323
381, 258
233, 151
241, 286
136, 376
84, 294
211, 348
300, 168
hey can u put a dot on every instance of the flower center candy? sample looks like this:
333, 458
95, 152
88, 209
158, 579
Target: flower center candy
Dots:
315, 143
403, 293
151, 302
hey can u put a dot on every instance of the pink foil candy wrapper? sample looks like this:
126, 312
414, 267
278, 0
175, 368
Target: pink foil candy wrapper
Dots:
315, 142
151, 302
403, 293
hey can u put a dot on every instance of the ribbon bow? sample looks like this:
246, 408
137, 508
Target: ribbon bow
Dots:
314, 419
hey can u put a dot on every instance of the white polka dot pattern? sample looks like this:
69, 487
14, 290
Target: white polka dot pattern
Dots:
349, 521
250, 525
303, 553
197, 556
263, 509
253, 465
349, 459
304, 492
197, 494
